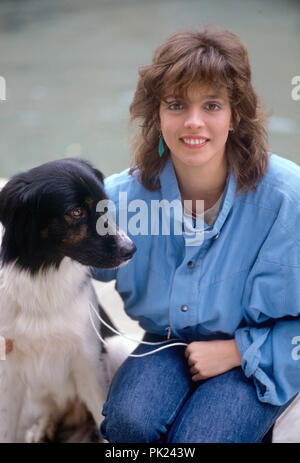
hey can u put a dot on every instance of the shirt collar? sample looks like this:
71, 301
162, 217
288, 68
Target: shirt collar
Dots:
170, 191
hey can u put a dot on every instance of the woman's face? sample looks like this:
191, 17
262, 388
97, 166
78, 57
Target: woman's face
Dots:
196, 128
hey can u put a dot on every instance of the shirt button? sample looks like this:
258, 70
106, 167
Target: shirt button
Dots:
184, 308
191, 264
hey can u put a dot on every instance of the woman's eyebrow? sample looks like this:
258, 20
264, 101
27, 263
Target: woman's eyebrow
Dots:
204, 97
219, 97
174, 97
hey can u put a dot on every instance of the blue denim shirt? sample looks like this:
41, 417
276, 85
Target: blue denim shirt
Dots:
242, 282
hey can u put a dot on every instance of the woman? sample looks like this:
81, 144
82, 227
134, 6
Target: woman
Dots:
233, 297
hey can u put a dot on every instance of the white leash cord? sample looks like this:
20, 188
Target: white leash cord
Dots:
131, 339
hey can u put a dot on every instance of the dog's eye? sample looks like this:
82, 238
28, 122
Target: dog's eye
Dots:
77, 212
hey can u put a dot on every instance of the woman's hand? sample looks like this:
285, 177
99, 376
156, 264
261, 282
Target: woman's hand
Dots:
211, 358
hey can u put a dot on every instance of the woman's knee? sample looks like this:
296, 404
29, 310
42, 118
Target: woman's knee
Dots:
131, 424
143, 397
223, 409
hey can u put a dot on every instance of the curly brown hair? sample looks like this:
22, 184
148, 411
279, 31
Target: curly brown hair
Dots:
208, 56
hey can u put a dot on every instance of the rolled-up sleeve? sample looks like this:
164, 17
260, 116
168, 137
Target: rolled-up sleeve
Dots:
271, 357
269, 344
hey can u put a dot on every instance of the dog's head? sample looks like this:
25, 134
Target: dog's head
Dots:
50, 212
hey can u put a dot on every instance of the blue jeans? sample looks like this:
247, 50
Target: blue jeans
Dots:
152, 399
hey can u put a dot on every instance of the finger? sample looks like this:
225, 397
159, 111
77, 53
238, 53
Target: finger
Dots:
189, 349
187, 352
197, 377
191, 361
194, 370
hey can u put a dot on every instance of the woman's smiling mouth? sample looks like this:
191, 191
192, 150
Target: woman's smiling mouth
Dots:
194, 142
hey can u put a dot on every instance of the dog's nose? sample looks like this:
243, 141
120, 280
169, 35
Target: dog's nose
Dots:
127, 250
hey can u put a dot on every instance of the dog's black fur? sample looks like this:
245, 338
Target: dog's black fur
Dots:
49, 212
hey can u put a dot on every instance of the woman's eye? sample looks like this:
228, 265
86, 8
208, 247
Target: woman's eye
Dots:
77, 212
175, 106
213, 106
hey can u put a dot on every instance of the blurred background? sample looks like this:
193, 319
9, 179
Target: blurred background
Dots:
70, 68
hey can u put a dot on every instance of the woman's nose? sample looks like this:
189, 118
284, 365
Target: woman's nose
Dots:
194, 118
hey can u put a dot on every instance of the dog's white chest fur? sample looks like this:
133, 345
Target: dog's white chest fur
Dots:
55, 349
44, 308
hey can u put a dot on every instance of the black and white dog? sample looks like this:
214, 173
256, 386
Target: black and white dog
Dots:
49, 242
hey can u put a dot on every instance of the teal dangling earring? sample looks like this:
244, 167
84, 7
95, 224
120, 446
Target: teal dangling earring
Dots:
161, 147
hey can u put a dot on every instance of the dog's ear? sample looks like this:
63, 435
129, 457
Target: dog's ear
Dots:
98, 174
18, 207
6, 203
1, 209
25, 229
86, 163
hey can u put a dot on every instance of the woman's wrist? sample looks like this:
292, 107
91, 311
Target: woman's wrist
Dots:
234, 354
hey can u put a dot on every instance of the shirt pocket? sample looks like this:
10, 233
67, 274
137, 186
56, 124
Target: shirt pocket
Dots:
220, 303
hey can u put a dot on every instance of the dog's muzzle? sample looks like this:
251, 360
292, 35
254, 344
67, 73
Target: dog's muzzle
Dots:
127, 248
